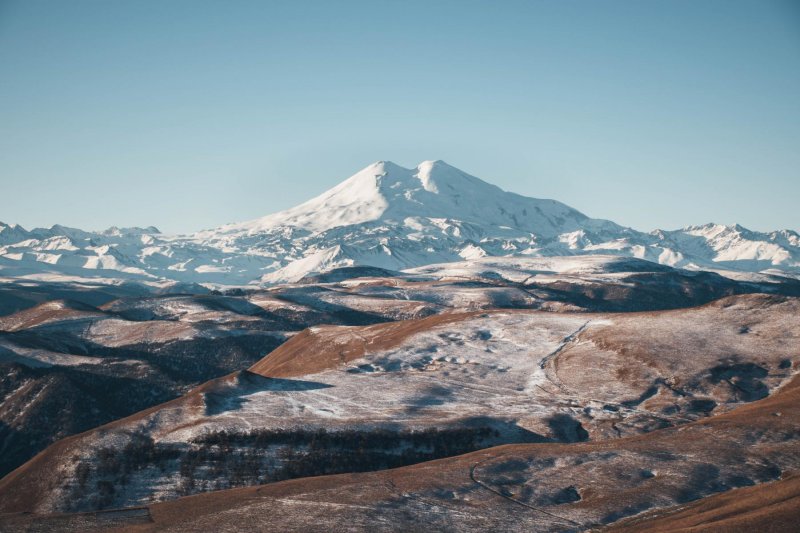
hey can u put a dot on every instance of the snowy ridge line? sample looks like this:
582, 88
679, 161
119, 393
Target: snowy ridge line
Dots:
389, 217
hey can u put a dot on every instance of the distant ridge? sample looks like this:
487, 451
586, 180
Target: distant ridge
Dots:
389, 217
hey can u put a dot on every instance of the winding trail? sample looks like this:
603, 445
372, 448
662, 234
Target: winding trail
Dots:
509, 498
545, 363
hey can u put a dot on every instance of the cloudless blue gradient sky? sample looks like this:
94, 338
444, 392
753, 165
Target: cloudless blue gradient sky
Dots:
191, 114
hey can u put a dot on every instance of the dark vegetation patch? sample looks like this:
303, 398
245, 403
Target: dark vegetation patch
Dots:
744, 379
483, 334
222, 459
516, 465
566, 495
566, 429
701, 405
649, 393
41, 405
706, 478
628, 510
703, 479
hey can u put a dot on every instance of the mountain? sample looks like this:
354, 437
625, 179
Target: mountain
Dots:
390, 217
434, 190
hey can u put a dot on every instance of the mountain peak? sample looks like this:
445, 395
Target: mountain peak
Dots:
381, 167
134, 231
388, 216
434, 190
432, 163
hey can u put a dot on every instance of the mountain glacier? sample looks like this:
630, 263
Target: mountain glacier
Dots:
390, 217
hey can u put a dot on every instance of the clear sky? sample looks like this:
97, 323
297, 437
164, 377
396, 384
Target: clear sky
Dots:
190, 114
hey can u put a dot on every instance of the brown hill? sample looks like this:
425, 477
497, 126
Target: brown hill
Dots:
771, 508
607, 372
538, 487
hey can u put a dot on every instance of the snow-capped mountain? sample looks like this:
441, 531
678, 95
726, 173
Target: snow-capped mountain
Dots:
434, 190
390, 217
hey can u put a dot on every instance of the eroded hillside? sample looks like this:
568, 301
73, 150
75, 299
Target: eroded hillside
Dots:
617, 374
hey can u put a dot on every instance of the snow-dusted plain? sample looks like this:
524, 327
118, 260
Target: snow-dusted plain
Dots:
385, 216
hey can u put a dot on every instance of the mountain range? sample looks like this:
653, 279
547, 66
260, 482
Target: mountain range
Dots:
414, 346
390, 217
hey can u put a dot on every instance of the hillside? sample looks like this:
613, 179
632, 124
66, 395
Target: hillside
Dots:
345, 399
673, 426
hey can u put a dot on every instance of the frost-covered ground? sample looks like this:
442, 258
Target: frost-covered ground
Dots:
487, 377
484, 366
98, 351
95, 352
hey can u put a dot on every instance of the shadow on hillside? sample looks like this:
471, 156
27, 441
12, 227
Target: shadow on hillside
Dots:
222, 399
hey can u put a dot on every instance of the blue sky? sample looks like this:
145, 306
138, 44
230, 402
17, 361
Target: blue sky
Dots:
191, 114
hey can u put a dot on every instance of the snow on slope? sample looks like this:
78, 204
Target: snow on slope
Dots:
526, 374
390, 217
433, 190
